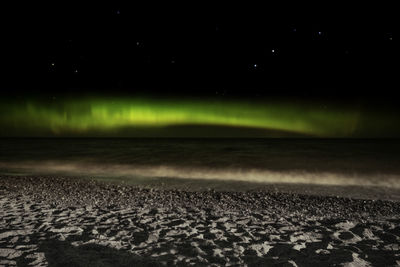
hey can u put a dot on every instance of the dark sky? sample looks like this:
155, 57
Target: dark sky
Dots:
329, 51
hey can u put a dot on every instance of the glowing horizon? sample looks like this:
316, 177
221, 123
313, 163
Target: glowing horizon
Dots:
107, 115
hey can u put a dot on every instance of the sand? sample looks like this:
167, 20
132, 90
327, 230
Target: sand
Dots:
58, 221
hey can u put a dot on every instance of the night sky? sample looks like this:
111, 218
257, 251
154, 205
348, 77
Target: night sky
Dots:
321, 59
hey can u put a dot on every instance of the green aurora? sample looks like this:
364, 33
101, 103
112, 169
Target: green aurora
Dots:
119, 116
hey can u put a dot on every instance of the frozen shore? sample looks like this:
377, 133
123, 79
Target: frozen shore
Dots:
61, 221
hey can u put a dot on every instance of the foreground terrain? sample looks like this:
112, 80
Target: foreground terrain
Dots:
56, 221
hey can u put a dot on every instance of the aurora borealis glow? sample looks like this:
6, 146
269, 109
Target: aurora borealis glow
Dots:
107, 116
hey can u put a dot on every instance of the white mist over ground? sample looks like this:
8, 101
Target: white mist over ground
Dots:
354, 185
221, 164
131, 172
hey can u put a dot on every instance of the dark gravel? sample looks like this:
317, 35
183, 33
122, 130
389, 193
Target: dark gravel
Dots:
77, 192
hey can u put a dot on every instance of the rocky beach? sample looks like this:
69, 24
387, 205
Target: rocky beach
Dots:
58, 221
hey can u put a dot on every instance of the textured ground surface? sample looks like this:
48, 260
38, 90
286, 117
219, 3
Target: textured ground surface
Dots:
71, 222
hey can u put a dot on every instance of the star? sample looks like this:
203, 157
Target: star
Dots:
52, 66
